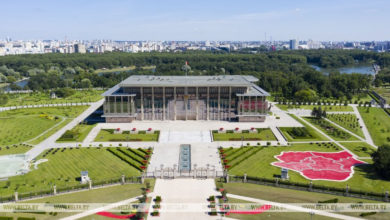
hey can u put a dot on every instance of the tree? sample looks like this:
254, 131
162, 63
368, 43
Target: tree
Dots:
381, 159
3, 99
306, 95
86, 83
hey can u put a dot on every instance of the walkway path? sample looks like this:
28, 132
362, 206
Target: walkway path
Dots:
294, 208
346, 130
104, 208
278, 136
45, 105
325, 135
364, 128
184, 198
49, 142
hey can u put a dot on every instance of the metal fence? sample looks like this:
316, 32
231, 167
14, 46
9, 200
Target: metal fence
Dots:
53, 190
348, 192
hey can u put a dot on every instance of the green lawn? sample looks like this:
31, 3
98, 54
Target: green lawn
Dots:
384, 92
259, 165
282, 195
264, 134
76, 134
102, 195
347, 121
15, 149
17, 126
378, 124
361, 149
311, 135
63, 168
328, 108
331, 130
44, 98
106, 135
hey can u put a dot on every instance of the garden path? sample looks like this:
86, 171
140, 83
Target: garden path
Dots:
364, 127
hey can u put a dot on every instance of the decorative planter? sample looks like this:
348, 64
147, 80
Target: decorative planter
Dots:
221, 130
118, 131
149, 131
237, 130
253, 130
134, 131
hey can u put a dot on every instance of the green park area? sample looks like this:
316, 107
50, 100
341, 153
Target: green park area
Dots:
262, 134
63, 168
384, 92
24, 125
107, 195
122, 69
76, 134
330, 129
361, 149
328, 108
108, 135
283, 195
36, 98
15, 149
347, 121
378, 124
296, 134
256, 162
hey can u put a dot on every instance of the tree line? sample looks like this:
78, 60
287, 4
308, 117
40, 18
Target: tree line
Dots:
284, 73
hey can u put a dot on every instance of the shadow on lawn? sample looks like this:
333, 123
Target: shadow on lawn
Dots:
368, 171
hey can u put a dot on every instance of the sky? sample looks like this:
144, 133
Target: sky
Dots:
235, 20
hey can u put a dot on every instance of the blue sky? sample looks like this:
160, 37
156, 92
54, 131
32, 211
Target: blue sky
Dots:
196, 19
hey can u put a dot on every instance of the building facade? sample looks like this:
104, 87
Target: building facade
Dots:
226, 97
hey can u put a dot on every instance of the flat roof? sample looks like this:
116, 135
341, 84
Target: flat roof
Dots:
220, 80
187, 81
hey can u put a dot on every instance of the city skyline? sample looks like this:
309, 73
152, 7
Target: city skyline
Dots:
249, 20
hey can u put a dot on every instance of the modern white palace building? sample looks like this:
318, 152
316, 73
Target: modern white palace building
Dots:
223, 97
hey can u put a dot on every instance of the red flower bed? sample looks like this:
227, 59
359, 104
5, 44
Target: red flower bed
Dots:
334, 166
112, 215
143, 167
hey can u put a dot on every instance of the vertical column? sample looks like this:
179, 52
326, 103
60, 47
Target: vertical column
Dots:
208, 103
153, 103
115, 110
142, 103
121, 104
163, 118
185, 102
250, 104
128, 104
174, 103
132, 105
197, 103
230, 102
256, 104
108, 104
219, 103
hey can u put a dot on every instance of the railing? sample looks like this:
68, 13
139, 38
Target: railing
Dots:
172, 174
67, 189
348, 192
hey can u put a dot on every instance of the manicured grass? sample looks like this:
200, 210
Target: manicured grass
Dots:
17, 126
347, 121
282, 195
361, 149
106, 135
312, 134
331, 130
384, 92
15, 149
63, 169
263, 134
307, 134
259, 165
328, 108
36, 98
378, 124
76, 134
103, 195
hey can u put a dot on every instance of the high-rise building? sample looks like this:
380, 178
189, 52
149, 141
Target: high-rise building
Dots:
79, 48
293, 44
